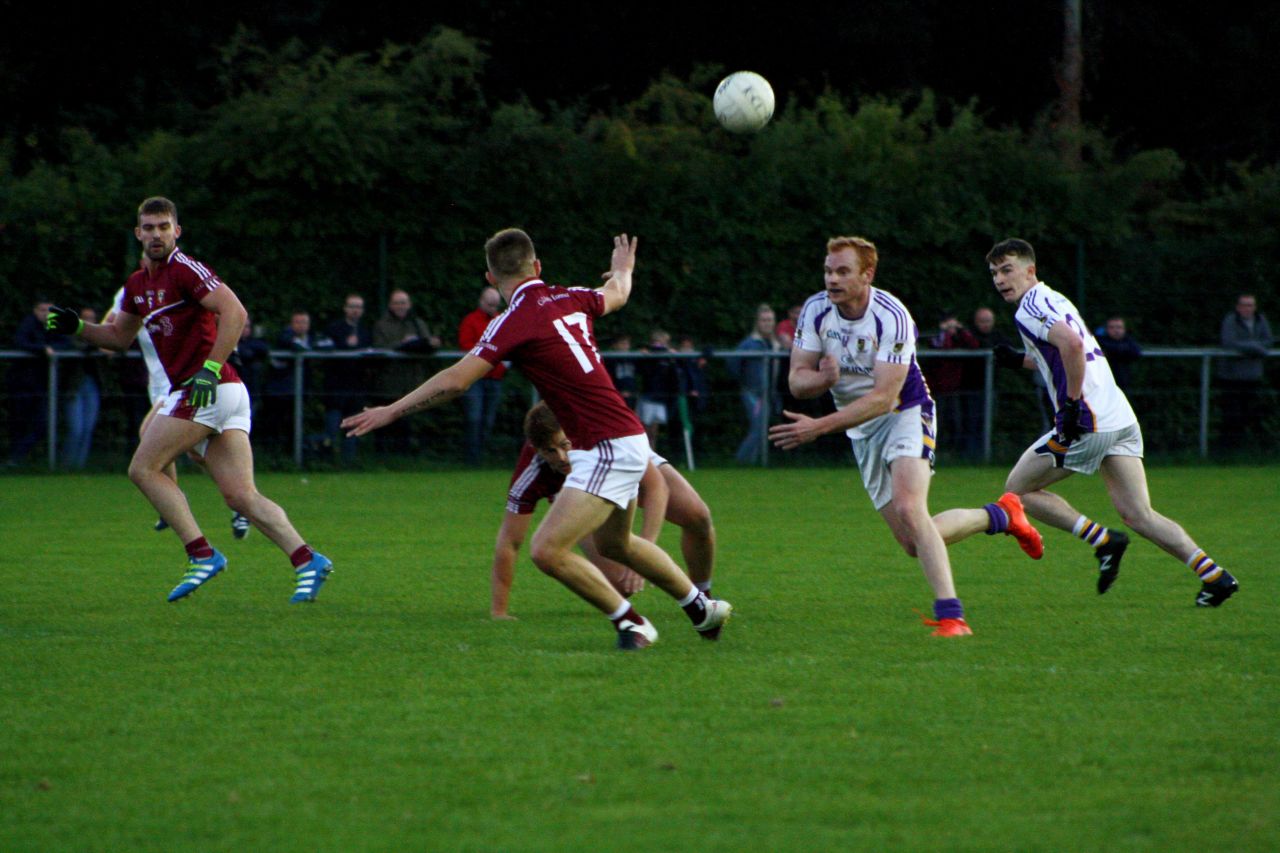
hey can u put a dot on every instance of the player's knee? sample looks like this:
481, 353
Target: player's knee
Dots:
700, 525
547, 559
1135, 517
240, 500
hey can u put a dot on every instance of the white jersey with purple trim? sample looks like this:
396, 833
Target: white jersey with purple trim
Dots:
157, 379
885, 332
1105, 408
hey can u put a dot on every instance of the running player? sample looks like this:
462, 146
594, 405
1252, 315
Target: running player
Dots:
540, 473
157, 392
1095, 429
194, 321
859, 343
549, 332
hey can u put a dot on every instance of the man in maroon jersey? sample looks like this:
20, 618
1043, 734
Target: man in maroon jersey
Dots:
194, 321
540, 473
548, 331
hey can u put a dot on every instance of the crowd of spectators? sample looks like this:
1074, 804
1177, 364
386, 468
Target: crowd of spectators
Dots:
667, 381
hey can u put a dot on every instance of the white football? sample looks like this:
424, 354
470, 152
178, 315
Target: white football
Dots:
743, 102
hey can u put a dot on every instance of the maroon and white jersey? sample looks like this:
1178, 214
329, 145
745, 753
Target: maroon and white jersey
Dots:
533, 480
548, 331
182, 330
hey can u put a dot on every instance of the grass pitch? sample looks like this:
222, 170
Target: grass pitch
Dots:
395, 715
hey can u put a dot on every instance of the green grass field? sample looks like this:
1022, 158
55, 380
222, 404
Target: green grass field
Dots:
395, 715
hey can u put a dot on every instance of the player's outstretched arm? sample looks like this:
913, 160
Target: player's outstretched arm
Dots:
115, 335
654, 495
440, 388
617, 287
510, 537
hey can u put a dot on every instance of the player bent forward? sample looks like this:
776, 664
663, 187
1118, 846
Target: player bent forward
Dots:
540, 473
195, 321
549, 332
1095, 429
858, 342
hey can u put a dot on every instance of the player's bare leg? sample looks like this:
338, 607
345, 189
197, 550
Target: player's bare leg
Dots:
620, 577
163, 441
229, 460
1126, 480
1003, 515
574, 516
616, 541
908, 518
689, 512
1029, 479
907, 515
170, 470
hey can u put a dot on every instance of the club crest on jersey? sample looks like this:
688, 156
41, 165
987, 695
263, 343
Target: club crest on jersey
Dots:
862, 344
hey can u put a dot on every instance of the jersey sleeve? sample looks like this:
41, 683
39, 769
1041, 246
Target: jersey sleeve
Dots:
1037, 313
897, 333
589, 300
807, 336
503, 334
196, 280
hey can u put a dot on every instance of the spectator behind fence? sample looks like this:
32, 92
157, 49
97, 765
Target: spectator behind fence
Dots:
658, 387
757, 376
83, 383
29, 383
785, 331
1121, 350
344, 378
623, 370
282, 385
946, 383
401, 330
1242, 379
694, 384
480, 402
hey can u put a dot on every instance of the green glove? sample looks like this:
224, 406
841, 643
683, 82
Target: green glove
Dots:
204, 385
63, 321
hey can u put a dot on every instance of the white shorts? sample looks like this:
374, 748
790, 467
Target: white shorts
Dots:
229, 411
908, 433
1086, 453
610, 470
651, 412
157, 388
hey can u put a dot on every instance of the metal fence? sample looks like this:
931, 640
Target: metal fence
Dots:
1176, 395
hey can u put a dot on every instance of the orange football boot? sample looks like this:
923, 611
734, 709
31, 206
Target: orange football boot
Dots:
1019, 528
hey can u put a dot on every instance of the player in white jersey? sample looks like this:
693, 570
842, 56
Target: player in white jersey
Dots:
859, 343
1095, 429
157, 393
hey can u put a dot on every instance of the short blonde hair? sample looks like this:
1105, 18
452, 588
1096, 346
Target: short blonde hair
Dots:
868, 257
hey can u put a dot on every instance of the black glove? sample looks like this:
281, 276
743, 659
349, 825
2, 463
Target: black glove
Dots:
63, 321
1007, 356
1070, 429
204, 385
